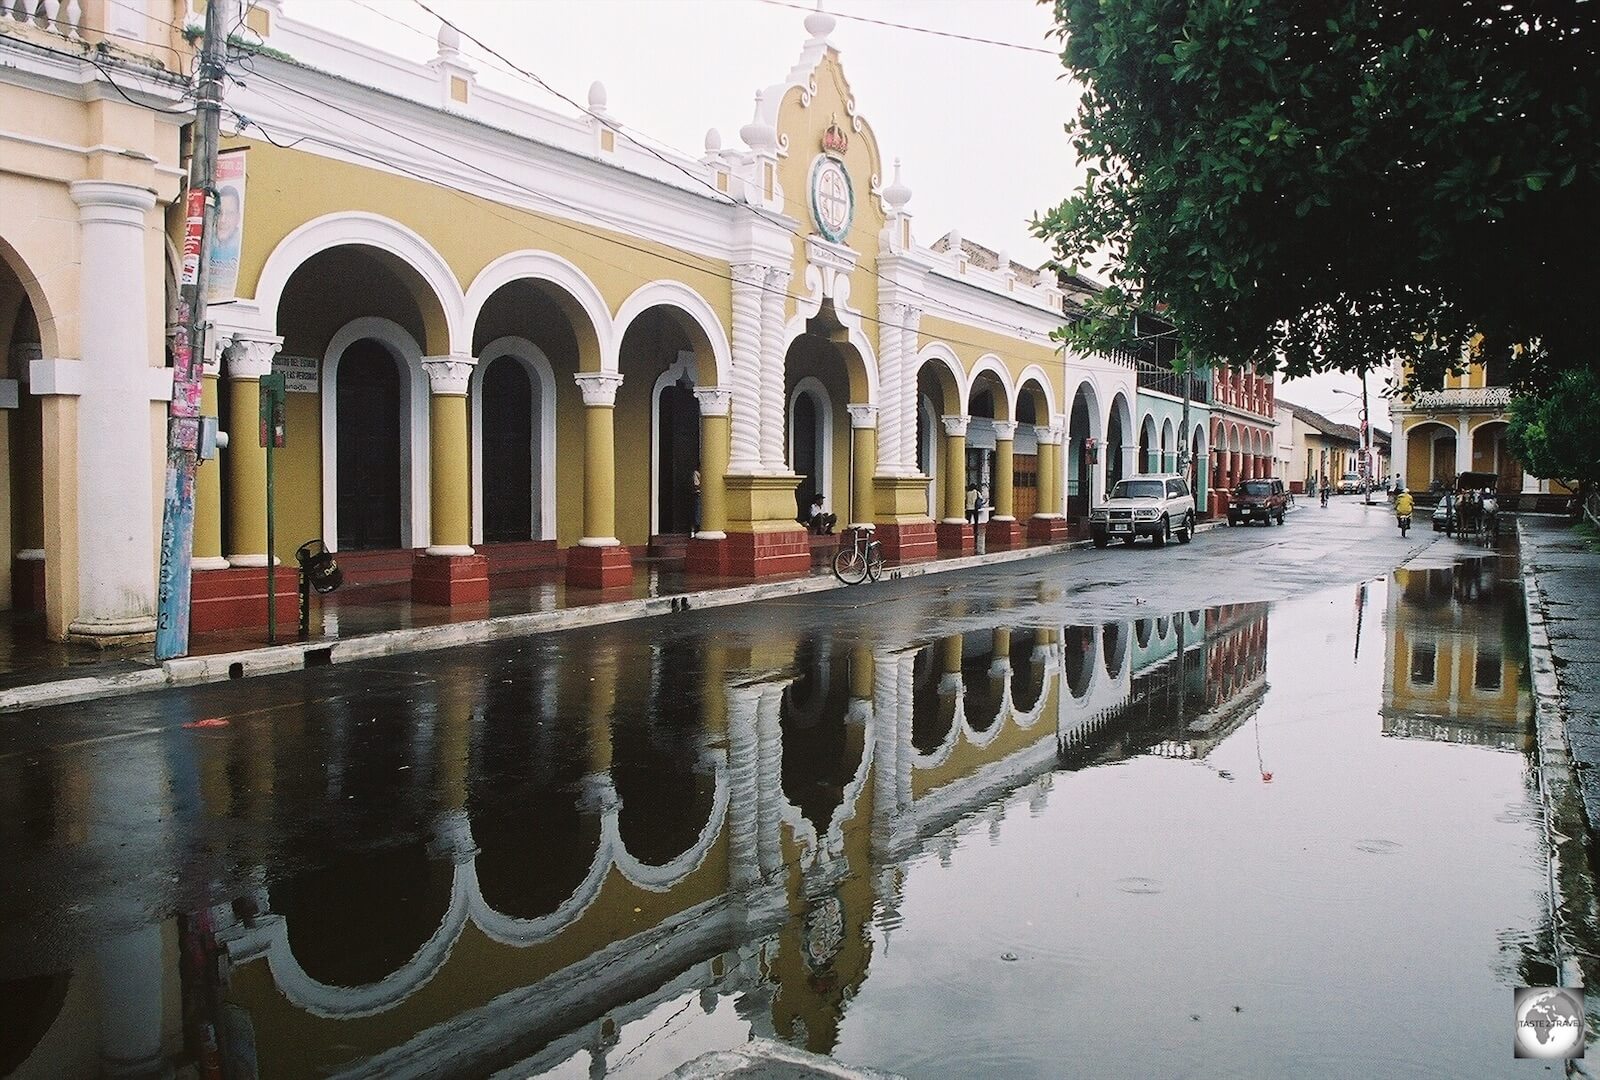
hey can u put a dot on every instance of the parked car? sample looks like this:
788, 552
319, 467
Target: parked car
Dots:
1349, 484
1263, 499
1157, 506
1444, 514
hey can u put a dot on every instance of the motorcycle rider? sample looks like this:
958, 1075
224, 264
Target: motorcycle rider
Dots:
1403, 505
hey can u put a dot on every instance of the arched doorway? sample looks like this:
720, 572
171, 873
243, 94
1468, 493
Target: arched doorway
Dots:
1116, 436
1169, 457
1490, 454
810, 442
1430, 457
1149, 460
677, 453
1082, 426
368, 426
509, 506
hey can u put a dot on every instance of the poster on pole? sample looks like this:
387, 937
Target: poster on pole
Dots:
222, 263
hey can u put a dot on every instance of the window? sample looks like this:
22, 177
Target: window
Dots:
1137, 489
1422, 664
1486, 669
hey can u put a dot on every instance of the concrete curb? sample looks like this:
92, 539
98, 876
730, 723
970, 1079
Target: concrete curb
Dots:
758, 1055
1572, 897
274, 659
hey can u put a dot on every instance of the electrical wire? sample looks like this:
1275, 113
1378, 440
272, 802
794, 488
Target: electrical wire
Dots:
920, 29
86, 59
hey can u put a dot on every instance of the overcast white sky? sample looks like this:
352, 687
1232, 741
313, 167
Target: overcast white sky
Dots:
979, 127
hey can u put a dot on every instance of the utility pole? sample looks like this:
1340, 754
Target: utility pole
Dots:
183, 415
1366, 444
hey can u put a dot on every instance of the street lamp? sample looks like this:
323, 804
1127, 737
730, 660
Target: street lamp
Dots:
1366, 438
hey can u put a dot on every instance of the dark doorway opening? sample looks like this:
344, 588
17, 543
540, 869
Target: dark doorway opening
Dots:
367, 414
677, 457
507, 452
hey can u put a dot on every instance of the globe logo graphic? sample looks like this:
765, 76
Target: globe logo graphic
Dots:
1549, 1023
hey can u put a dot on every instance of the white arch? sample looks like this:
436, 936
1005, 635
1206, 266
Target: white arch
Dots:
807, 307
548, 267
354, 227
674, 294
1147, 443
930, 449
1035, 373
812, 386
414, 521
542, 378
1072, 449
1167, 435
663, 877
991, 363
938, 352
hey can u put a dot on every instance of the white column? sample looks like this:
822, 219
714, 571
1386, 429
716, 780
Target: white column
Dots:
769, 782
1130, 459
744, 443
1463, 445
911, 318
116, 475
744, 789
891, 380
772, 371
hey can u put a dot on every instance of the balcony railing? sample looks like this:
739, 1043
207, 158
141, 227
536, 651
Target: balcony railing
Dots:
64, 17
1165, 381
1464, 397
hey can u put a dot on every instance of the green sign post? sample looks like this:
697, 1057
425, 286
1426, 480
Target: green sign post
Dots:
273, 392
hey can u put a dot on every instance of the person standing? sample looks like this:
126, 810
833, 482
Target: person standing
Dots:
972, 504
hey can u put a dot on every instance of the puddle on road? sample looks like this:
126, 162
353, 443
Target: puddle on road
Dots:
1245, 841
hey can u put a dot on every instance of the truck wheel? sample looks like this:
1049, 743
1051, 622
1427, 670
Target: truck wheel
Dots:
1159, 539
1101, 541
1186, 531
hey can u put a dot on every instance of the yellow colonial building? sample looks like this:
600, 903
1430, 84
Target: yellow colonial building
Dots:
513, 338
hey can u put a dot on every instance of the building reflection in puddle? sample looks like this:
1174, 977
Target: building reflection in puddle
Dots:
1456, 650
542, 854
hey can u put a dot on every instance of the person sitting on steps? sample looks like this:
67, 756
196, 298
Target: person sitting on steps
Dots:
819, 520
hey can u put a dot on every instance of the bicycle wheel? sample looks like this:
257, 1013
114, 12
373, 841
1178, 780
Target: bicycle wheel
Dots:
874, 560
850, 566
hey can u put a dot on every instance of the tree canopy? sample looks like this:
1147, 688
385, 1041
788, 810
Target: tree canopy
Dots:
1555, 432
1320, 186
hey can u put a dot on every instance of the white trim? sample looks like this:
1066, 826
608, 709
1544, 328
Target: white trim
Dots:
683, 365
810, 384
827, 283
676, 295
414, 507
551, 268
930, 448
1091, 404
1168, 435
939, 353
1036, 373
362, 229
543, 382
1146, 447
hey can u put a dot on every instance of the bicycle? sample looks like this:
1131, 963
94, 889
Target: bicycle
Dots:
863, 559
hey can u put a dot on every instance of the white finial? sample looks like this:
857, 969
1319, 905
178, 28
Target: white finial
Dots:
955, 244
757, 134
449, 40
1002, 261
896, 194
819, 24
713, 141
597, 97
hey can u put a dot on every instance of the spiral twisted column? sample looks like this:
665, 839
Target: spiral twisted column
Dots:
910, 319
744, 439
772, 370
769, 779
891, 377
744, 788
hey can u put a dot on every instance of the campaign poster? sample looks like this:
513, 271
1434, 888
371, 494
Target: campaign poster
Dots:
222, 264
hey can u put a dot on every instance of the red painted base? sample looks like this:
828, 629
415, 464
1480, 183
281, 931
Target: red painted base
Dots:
768, 554
908, 543
237, 597
450, 580
599, 567
957, 539
1002, 535
27, 584
1045, 530
518, 556
708, 558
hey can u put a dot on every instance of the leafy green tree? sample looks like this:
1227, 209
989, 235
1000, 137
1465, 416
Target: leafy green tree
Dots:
1555, 432
1331, 185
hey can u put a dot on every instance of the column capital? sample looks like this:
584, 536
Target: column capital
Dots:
714, 400
108, 201
250, 355
778, 277
449, 375
863, 416
1004, 430
1049, 436
955, 425
599, 388
748, 273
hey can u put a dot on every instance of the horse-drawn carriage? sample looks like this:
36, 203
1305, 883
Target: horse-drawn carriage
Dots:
1473, 509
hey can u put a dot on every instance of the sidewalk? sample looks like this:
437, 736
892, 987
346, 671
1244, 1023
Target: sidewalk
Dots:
352, 626
1561, 589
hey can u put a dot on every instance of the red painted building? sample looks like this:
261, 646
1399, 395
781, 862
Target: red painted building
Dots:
1241, 430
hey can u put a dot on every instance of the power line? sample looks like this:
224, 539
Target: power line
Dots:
921, 29
87, 59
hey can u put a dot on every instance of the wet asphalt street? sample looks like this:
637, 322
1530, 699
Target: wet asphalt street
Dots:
1251, 806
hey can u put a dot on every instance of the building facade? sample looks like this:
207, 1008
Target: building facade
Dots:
557, 331
1321, 450
1461, 427
1242, 438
